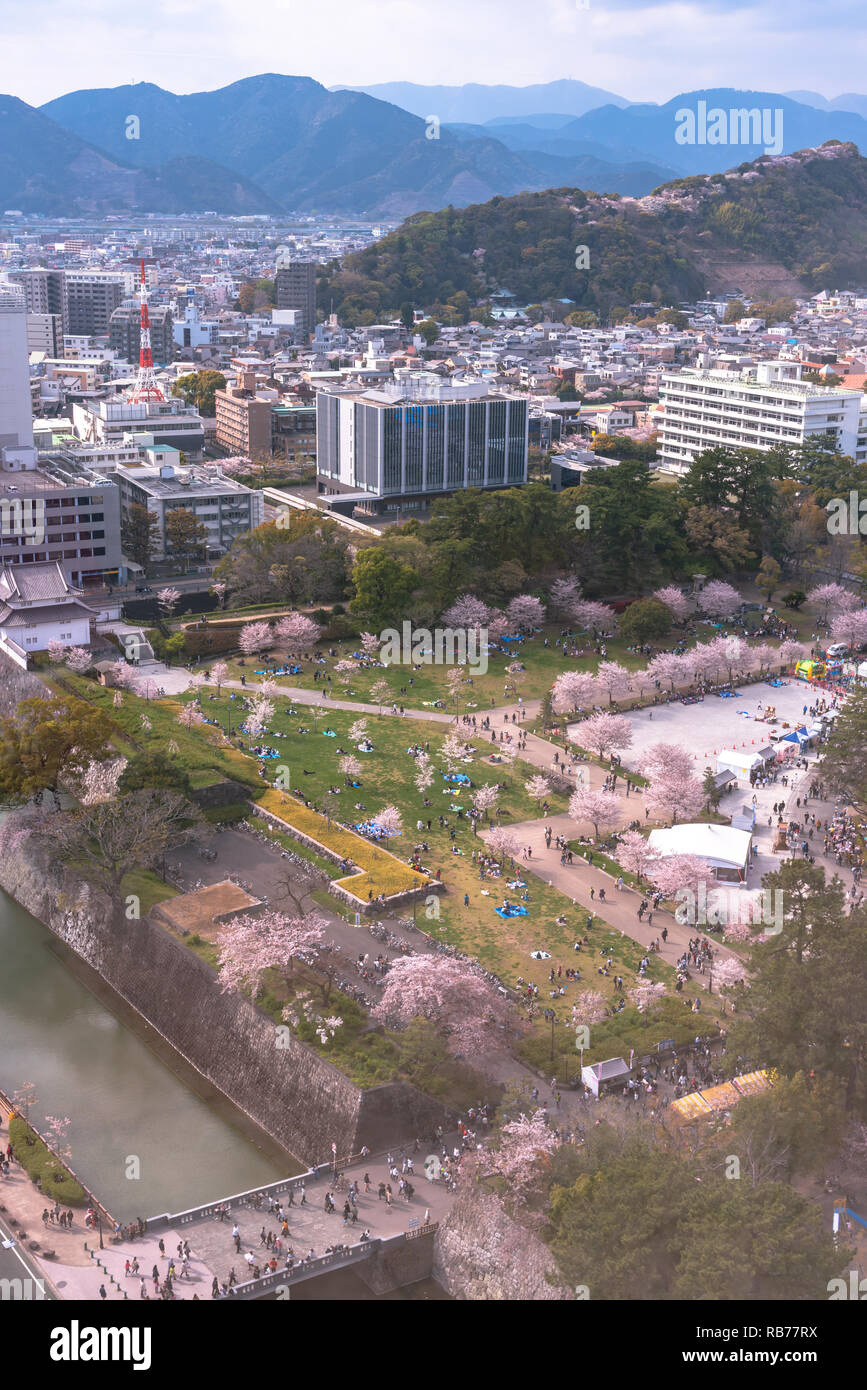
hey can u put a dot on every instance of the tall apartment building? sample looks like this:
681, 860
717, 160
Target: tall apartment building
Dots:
420, 438
92, 297
44, 291
296, 289
45, 334
124, 333
16, 402
244, 419
758, 408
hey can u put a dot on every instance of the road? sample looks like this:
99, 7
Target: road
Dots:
16, 1266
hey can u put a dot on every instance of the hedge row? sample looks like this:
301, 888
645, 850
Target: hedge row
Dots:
39, 1162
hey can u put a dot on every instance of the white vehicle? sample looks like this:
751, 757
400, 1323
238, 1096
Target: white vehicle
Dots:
838, 649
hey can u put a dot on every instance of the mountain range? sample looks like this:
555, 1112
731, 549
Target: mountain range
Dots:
275, 143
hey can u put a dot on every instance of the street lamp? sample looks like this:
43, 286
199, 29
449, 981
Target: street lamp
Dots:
415, 883
99, 1224
550, 1017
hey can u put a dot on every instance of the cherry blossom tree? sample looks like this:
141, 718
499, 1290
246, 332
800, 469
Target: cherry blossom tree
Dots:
455, 681
58, 1131
172, 748
297, 633
728, 973
504, 843
673, 873
147, 724
350, 767
646, 994
124, 676
254, 637
634, 853
572, 690
591, 1006
603, 733
358, 731
497, 625
452, 994
521, 1153
789, 653
424, 773
525, 612
168, 599
614, 678
117, 699
390, 822
467, 611
509, 754
674, 601
56, 651
564, 594
249, 945
719, 600
762, 655
77, 659
850, 628
345, 670
832, 598
96, 782
219, 589
370, 645
190, 716
453, 750
599, 807
674, 795
379, 693
302, 1008
219, 673
538, 788
594, 616
260, 716
268, 688
667, 668
665, 760
485, 799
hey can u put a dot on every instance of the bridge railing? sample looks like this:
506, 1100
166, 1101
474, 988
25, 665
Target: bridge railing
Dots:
246, 1199
336, 1259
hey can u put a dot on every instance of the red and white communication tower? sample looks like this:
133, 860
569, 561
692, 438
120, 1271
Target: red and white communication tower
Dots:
146, 388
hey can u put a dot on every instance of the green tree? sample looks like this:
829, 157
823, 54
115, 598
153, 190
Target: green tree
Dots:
763, 1243
712, 792
768, 577
736, 310
186, 535
46, 738
198, 389
644, 620
407, 315
383, 587
429, 330
154, 769
138, 532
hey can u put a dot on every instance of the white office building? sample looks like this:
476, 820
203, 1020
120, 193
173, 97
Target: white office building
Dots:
759, 408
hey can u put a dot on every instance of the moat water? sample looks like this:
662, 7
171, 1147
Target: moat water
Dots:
124, 1101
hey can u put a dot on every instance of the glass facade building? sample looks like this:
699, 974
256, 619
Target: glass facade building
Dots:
419, 447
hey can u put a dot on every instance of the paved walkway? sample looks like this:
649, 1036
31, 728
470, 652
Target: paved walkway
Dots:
75, 1274
310, 1227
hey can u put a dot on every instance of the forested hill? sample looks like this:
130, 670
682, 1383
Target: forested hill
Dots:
781, 224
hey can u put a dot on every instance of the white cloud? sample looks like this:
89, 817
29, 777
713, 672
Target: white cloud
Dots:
644, 51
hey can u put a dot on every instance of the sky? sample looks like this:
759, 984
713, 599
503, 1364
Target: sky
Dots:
644, 51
